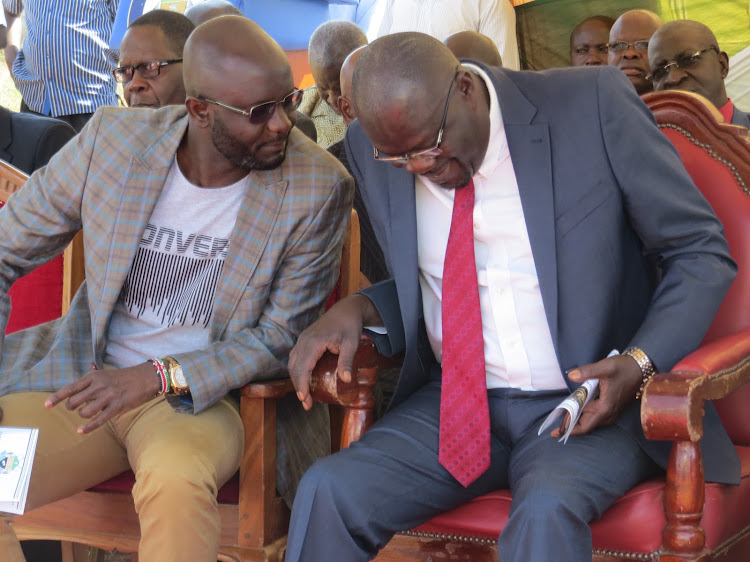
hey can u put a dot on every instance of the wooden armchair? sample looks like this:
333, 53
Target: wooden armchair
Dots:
677, 517
254, 518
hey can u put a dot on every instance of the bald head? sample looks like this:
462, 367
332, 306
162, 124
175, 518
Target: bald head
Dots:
702, 74
210, 9
401, 73
628, 46
414, 101
345, 80
228, 51
474, 45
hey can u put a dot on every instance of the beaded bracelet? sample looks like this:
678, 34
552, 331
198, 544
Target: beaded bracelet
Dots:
164, 380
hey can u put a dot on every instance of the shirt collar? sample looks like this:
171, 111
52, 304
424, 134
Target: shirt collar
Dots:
727, 111
497, 146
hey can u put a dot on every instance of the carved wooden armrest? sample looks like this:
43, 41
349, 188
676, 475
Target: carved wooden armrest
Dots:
356, 397
267, 389
672, 405
672, 409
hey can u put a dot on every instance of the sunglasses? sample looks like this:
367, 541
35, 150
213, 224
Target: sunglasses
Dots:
431, 152
147, 70
620, 47
681, 62
263, 112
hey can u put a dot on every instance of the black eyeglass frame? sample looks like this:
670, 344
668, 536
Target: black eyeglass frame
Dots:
140, 67
617, 46
264, 118
681, 62
427, 152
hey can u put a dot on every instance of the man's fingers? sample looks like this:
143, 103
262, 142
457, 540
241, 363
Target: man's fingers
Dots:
347, 350
103, 417
66, 392
590, 418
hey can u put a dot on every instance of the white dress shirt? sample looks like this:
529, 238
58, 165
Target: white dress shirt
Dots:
518, 346
440, 18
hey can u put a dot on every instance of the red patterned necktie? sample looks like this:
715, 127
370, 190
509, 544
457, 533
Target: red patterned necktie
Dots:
464, 413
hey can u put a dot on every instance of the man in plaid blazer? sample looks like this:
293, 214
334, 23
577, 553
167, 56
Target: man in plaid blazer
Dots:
117, 182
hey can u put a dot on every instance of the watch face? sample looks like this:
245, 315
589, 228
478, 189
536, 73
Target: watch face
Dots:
179, 377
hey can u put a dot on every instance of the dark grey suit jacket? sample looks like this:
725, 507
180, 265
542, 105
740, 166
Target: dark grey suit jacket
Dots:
740, 118
603, 193
28, 141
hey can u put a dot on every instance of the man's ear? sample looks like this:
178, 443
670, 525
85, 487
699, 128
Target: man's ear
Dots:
198, 111
346, 109
724, 62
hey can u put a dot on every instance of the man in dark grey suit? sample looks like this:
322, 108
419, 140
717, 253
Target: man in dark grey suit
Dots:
684, 55
28, 141
576, 190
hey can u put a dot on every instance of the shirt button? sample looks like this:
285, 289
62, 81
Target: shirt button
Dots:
476, 226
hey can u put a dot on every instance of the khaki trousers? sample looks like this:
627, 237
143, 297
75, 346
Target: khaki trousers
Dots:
180, 461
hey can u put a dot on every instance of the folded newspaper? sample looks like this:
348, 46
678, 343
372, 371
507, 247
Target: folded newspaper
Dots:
17, 446
573, 405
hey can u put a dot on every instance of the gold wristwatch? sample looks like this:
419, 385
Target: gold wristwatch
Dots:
179, 384
644, 362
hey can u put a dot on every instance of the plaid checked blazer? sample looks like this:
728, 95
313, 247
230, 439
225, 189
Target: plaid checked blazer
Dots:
282, 263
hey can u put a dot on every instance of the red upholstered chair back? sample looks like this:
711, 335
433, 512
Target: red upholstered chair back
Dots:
717, 157
37, 297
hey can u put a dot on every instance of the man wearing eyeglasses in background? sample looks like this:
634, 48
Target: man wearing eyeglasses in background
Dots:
517, 212
150, 68
684, 55
628, 46
588, 41
213, 236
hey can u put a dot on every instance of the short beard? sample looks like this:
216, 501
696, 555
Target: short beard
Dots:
233, 151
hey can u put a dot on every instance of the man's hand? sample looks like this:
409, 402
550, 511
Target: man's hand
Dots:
338, 331
105, 394
619, 379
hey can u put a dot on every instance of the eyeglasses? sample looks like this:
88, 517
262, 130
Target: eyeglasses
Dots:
147, 70
263, 112
620, 47
427, 152
682, 62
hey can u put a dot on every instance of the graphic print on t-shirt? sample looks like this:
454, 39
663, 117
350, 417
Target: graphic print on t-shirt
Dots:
166, 303
174, 274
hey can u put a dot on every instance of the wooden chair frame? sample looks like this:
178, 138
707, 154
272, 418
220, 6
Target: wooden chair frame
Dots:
253, 529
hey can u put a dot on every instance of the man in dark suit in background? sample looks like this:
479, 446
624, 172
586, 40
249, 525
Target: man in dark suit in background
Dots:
684, 55
518, 213
28, 141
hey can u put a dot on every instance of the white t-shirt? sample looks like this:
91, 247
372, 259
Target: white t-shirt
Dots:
166, 303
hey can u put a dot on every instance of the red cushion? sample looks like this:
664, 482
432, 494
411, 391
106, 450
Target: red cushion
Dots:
228, 493
634, 523
37, 297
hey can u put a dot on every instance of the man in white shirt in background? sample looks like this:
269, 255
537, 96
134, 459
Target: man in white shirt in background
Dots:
440, 18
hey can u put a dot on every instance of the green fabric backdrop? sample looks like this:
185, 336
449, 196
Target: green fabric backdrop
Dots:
544, 26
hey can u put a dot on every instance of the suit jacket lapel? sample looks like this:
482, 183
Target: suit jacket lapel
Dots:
530, 153
403, 242
255, 222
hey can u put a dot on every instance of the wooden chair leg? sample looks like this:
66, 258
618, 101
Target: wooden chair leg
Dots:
10, 547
